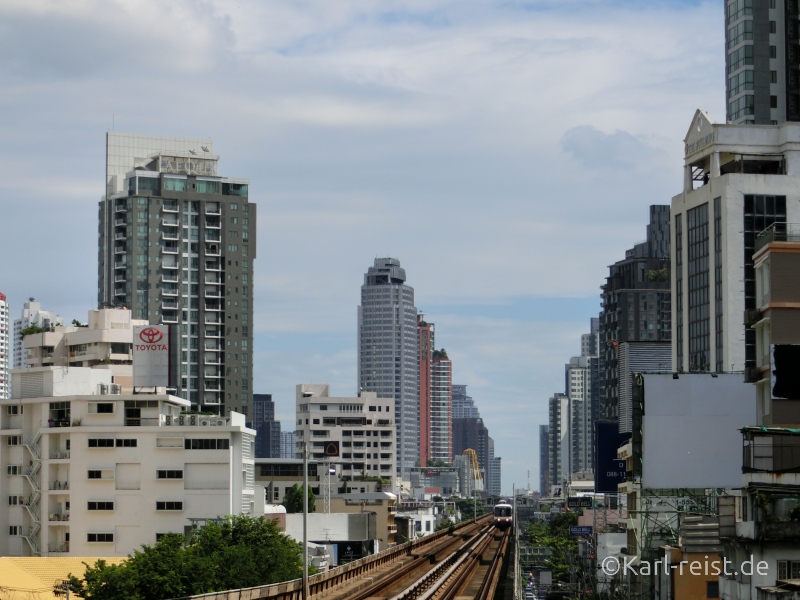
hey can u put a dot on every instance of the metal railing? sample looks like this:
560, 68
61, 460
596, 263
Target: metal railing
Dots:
778, 232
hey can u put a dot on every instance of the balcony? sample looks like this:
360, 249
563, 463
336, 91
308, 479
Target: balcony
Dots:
170, 207
170, 221
212, 250
119, 222
213, 293
170, 249
171, 235
212, 359
169, 317
120, 264
214, 332
58, 517
120, 279
169, 291
170, 278
212, 374
142, 421
212, 235
212, 347
61, 548
59, 485
213, 306
212, 208
778, 232
212, 386
120, 236
120, 208
213, 265
168, 304
172, 264
212, 224
59, 456
119, 249
213, 320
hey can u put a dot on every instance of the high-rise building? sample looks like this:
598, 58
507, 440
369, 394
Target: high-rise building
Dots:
288, 446
578, 390
635, 304
426, 346
494, 473
544, 460
638, 357
5, 348
463, 405
268, 430
441, 424
558, 437
388, 352
472, 434
738, 181
762, 64
32, 316
176, 246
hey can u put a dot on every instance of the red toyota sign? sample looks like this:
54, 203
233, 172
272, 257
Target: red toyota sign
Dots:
151, 335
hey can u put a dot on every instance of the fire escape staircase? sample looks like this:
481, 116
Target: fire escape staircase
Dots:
31, 503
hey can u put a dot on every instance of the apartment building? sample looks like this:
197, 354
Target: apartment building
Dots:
355, 434
91, 473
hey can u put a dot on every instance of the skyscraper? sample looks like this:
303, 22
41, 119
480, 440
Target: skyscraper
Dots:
762, 61
544, 460
463, 405
441, 424
426, 346
5, 348
388, 351
558, 438
32, 315
636, 304
268, 430
176, 246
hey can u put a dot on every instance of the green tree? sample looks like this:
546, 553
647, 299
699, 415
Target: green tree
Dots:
293, 500
554, 534
236, 551
467, 506
32, 329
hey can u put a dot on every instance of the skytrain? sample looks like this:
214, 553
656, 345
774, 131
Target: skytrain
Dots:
502, 515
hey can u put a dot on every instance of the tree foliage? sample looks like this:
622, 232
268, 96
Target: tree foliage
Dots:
293, 500
235, 552
467, 506
32, 329
554, 534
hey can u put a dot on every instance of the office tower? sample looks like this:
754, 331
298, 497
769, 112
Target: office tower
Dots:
738, 181
494, 473
426, 346
32, 316
472, 434
635, 304
268, 430
558, 435
544, 460
463, 405
388, 352
5, 348
176, 246
441, 425
288, 448
762, 63
638, 357
363, 428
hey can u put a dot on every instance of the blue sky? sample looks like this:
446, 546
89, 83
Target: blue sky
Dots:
505, 152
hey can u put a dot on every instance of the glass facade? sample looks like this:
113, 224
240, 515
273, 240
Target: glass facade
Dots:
698, 267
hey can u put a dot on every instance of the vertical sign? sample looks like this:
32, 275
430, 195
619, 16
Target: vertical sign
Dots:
609, 470
151, 356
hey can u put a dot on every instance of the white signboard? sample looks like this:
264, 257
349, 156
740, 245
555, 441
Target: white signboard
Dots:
151, 356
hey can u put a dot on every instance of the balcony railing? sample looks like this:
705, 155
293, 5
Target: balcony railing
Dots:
778, 232
59, 485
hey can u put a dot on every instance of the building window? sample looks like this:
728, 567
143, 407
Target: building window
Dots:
14, 440
15, 530
16, 409
773, 26
739, 58
773, 52
773, 77
169, 505
99, 506
169, 474
94, 475
789, 569
740, 32
699, 325
14, 470
127, 443
718, 322
740, 82
738, 9
101, 443
99, 537
206, 444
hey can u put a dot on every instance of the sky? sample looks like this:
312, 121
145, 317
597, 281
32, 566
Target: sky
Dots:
506, 152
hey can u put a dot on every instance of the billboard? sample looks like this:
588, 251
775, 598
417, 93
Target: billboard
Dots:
607, 472
151, 356
690, 429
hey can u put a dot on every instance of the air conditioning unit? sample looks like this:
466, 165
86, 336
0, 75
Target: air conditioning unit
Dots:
115, 389
204, 422
752, 316
192, 419
180, 420
221, 422
103, 389
168, 419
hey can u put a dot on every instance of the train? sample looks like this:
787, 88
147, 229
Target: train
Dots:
503, 515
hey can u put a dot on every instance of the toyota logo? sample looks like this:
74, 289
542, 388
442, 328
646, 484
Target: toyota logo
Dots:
151, 335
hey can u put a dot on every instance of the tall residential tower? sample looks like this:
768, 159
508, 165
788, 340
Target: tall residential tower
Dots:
176, 246
388, 351
5, 348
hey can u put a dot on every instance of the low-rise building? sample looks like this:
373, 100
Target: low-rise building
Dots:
87, 472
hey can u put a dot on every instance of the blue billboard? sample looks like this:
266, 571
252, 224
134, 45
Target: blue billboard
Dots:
609, 470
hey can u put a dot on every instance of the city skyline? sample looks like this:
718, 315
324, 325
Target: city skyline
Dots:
475, 144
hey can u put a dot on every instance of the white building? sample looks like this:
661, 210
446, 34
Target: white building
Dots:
32, 315
93, 474
738, 180
362, 428
559, 449
579, 388
106, 342
5, 348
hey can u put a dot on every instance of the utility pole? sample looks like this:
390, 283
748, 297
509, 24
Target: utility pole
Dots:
305, 520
